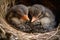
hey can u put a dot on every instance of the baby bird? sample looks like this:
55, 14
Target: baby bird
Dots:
37, 11
42, 18
17, 16
19, 11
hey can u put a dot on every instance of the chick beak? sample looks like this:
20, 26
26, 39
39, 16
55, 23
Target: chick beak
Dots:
33, 19
25, 17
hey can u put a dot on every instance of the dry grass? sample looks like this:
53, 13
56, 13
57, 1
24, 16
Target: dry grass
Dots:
4, 6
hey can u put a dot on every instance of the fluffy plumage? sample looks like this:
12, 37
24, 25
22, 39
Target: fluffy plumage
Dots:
17, 17
42, 18
19, 11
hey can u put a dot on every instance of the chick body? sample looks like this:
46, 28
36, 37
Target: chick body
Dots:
17, 16
45, 20
18, 11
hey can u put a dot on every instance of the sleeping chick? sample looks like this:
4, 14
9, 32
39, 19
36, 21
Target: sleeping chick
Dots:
42, 18
17, 16
19, 11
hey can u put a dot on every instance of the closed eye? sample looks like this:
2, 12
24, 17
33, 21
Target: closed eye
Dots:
41, 15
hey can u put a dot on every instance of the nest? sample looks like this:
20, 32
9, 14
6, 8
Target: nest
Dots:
40, 36
17, 34
9, 33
